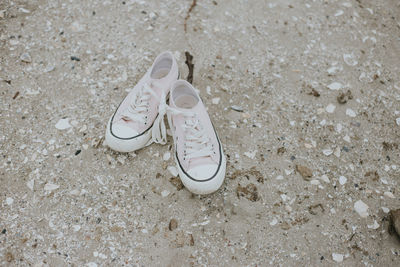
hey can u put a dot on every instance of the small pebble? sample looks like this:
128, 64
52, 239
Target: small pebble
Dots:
374, 226
337, 257
216, 100
165, 193
361, 208
51, 187
173, 224
335, 86
30, 184
385, 210
63, 124
350, 113
9, 201
25, 57
166, 156
251, 154
330, 108
74, 58
325, 178
173, 170
327, 152
350, 59
388, 194
237, 108
342, 180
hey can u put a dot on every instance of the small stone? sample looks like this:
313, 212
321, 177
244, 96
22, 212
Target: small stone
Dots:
153, 16
325, 178
385, 210
191, 240
164, 193
335, 86
327, 152
2, 14
273, 222
49, 68
51, 187
30, 184
350, 59
24, 10
398, 121
251, 154
315, 182
333, 70
388, 194
63, 124
346, 138
173, 224
350, 113
330, 108
76, 228
173, 170
74, 58
77, 27
166, 156
25, 57
237, 108
9, 201
339, 13
337, 152
305, 172
337, 257
361, 208
342, 180
216, 100
374, 226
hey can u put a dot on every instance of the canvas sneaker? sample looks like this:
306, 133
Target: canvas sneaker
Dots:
198, 151
138, 120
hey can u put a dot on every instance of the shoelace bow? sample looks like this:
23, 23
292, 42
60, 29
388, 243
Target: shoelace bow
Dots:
197, 143
138, 111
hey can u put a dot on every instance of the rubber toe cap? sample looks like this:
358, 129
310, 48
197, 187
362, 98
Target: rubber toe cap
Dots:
203, 172
123, 131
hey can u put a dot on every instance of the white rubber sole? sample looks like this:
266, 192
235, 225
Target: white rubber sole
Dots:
127, 145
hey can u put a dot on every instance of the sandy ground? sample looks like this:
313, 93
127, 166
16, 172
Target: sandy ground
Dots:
310, 179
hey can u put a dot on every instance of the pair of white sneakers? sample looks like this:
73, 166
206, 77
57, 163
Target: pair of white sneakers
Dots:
139, 121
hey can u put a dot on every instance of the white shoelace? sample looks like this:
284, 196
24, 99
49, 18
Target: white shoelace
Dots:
197, 143
139, 108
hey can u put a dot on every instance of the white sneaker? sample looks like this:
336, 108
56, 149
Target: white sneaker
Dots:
198, 152
138, 121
